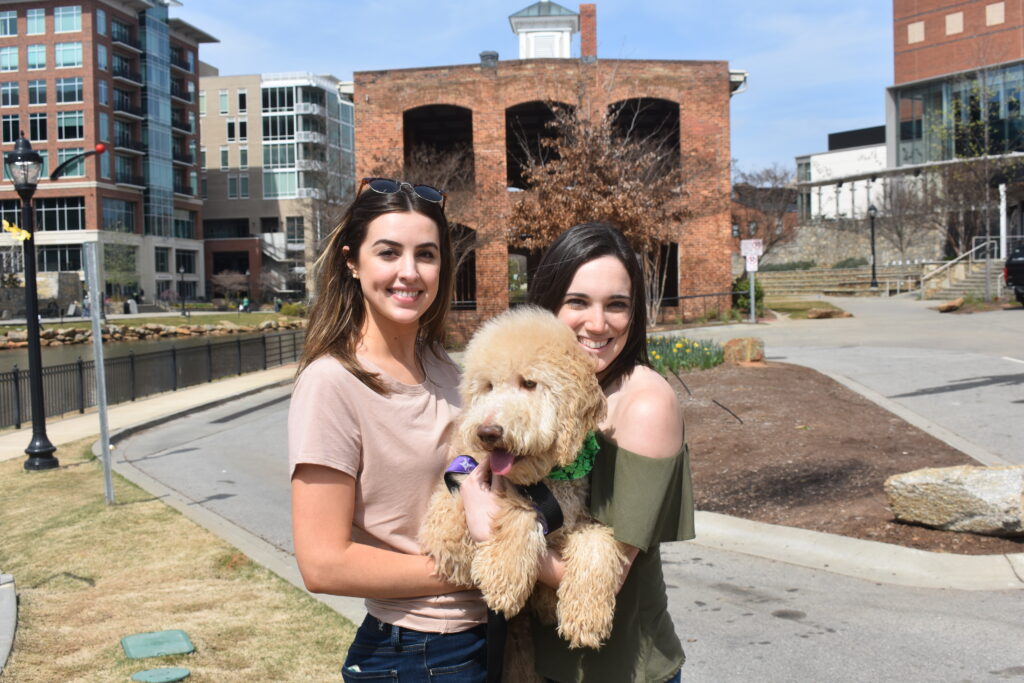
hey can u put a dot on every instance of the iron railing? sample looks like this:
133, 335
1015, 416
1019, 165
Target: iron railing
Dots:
71, 387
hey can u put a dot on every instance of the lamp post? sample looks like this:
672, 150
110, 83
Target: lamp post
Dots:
181, 288
872, 212
23, 166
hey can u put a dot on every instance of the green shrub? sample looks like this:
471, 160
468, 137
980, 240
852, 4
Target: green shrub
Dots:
294, 309
851, 263
680, 353
741, 295
792, 265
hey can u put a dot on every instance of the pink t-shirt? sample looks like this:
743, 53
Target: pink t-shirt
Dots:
395, 448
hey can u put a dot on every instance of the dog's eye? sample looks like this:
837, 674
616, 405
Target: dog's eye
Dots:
527, 383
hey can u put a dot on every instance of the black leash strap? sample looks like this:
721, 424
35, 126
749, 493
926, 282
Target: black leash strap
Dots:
497, 634
547, 506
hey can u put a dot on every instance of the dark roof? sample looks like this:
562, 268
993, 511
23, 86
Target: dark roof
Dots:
856, 138
544, 9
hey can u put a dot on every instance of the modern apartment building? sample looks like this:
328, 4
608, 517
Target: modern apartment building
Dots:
122, 73
278, 164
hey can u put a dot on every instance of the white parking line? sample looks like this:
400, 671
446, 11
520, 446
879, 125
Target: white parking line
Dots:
1015, 360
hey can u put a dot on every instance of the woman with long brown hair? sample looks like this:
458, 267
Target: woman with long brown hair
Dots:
368, 433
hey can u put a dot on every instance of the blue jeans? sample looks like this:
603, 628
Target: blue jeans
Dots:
382, 652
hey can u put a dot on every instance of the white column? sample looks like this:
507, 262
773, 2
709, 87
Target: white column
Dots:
1002, 221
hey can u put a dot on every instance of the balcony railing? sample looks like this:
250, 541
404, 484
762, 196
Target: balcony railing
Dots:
125, 40
125, 142
180, 64
122, 178
128, 108
183, 188
183, 157
181, 93
127, 74
181, 124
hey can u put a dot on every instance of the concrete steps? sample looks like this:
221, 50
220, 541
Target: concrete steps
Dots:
838, 281
973, 285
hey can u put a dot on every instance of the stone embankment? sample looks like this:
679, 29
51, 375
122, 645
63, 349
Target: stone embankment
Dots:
59, 336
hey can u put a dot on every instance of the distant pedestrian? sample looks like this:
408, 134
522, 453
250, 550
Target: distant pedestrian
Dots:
245, 304
277, 304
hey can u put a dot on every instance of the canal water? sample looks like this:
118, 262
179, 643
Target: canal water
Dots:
70, 353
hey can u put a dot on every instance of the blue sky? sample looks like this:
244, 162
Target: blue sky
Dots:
816, 66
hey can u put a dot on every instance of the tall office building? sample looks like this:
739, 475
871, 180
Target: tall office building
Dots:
122, 73
278, 165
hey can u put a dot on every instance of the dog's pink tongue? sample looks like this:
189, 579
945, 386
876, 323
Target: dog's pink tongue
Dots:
501, 462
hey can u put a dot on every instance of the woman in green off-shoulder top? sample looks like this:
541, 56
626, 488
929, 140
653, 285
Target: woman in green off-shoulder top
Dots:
640, 484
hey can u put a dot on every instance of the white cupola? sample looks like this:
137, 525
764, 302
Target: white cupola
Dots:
545, 29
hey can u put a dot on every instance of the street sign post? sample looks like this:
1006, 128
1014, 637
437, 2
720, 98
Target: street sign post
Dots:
751, 250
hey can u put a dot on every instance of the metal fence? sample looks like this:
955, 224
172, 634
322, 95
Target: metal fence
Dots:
71, 387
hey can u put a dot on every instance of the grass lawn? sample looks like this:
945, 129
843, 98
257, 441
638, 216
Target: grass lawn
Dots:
797, 310
196, 318
88, 574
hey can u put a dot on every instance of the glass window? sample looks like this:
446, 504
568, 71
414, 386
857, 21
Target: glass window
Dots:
102, 92
243, 186
279, 184
232, 187
184, 260
120, 31
230, 130
162, 259
9, 94
224, 158
278, 156
278, 127
9, 23
243, 158
37, 127
101, 57
202, 185
36, 21
59, 257
69, 90
241, 101
36, 57
75, 169
105, 165
8, 58
202, 157
293, 226
67, 19
119, 216
243, 131
11, 127
70, 125
60, 213
104, 128
223, 94
37, 92
202, 103
101, 22
68, 54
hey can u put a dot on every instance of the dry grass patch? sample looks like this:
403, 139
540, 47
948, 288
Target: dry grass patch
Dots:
88, 574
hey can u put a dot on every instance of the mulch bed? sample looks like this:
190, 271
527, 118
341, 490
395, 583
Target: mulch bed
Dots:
810, 453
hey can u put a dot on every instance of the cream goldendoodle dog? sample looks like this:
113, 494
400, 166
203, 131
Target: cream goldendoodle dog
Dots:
530, 400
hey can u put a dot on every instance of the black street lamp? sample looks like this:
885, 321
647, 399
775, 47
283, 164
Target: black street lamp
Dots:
23, 166
872, 212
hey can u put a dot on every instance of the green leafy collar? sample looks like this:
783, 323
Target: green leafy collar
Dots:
584, 462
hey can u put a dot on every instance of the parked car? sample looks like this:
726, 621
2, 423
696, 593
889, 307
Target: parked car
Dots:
1013, 273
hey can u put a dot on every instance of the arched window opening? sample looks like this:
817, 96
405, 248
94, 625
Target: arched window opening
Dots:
464, 246
527, 125
438, 146
650, 120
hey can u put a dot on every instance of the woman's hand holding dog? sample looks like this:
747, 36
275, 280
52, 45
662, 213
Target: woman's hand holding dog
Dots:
480, 502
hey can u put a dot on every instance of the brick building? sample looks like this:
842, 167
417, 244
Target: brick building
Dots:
120, 72
482, 108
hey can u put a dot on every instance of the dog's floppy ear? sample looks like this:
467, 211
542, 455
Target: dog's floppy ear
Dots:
583, 404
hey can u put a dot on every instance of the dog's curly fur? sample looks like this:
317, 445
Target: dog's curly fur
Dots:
529, 389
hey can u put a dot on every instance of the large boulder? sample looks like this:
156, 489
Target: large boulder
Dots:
744, 350
950, 306
981, 500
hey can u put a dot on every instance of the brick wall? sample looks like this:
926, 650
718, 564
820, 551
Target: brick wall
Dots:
700, 88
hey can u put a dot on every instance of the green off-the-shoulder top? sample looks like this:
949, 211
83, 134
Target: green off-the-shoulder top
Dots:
647, 501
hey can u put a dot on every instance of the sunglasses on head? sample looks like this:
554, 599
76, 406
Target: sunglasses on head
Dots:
391, 186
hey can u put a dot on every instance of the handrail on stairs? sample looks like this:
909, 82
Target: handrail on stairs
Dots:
949, 264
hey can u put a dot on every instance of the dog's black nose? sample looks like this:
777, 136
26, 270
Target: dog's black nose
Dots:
489, 434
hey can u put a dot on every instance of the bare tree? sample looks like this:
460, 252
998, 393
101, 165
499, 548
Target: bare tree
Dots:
765, 197
229, 282
598, 169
